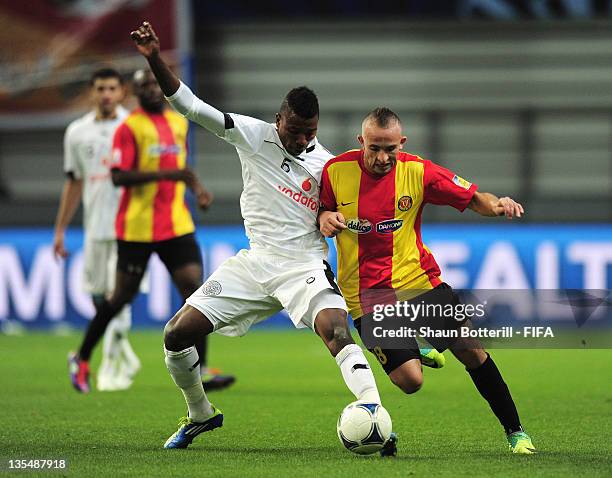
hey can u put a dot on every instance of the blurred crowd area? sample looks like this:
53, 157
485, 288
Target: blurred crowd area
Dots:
513, 95
419, 9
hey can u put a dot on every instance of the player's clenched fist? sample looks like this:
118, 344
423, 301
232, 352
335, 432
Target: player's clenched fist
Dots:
59, 250
331, 223
146, 40
508, 207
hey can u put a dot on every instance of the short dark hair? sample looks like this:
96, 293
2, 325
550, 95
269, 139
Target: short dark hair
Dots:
103, 73
382, 117
302, 101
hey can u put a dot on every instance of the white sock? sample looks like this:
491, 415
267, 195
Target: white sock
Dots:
129, 356
123, 321
111, 351
357, 373
185, 371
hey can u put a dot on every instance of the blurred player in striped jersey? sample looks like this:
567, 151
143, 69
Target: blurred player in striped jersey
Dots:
372, 200
87, 156
150, 162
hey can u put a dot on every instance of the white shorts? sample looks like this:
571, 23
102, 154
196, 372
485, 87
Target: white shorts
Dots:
100, 266
251, 286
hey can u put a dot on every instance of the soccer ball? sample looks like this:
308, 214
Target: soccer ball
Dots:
363, 428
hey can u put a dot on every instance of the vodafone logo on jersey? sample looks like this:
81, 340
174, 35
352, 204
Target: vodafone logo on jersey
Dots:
299, 197
307, 185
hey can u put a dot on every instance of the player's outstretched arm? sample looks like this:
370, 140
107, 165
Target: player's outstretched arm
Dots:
487, 204
178, 94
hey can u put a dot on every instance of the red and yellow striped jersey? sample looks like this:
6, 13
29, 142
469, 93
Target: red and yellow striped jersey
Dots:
153, 211
382, 246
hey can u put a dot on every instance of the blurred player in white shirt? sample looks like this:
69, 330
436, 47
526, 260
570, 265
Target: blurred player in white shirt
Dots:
285, 266
87, 156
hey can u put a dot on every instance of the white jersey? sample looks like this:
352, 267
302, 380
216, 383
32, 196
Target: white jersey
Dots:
87, 156
280, 199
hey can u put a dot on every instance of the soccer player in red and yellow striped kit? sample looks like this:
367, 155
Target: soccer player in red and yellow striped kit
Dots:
372, 200
150, 162
155, 210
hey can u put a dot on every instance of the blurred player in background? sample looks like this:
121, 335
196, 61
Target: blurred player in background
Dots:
378, 194
150, 162
285, 266
87, 156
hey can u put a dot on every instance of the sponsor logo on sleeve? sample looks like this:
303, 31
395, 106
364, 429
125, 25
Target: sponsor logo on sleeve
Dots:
390, 225
359, 226
404, 203
462, 183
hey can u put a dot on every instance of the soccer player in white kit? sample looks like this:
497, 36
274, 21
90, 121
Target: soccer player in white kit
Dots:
284, 267
87, 157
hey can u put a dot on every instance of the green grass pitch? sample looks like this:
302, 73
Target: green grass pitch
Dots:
280, 416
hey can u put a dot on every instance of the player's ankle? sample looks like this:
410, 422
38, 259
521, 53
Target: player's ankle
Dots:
512, 430
371, 395
201, 410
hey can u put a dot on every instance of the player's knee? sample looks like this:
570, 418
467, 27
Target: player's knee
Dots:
408, 384
176, 335
188, 279
408, 377
186, 328
471, 358
122, 297
187, 288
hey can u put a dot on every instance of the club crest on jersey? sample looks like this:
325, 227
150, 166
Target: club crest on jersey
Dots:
404, 203
211, 288
359, 226
390, 225
307, 185
459, 181
90, 150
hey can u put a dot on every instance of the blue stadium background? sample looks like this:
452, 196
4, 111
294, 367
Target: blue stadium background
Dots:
40, 292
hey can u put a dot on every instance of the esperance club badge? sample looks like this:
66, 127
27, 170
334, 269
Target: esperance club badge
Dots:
404, 203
